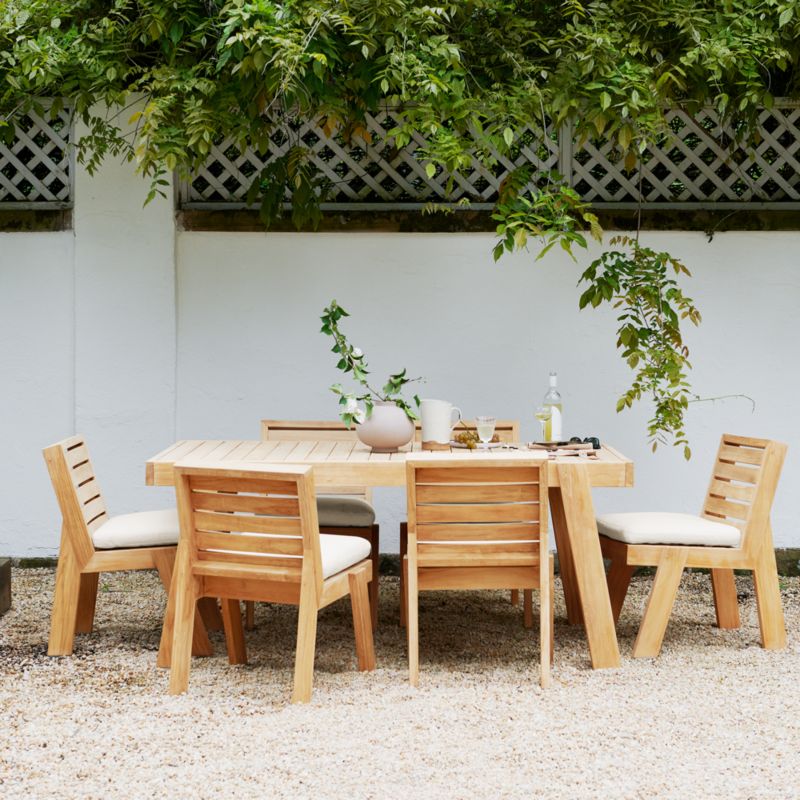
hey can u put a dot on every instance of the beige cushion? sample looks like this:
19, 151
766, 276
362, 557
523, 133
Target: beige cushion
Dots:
143, 529
344, 511
340, 552
656, 527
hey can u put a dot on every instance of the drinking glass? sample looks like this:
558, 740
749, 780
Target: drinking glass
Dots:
485, 428
544, 414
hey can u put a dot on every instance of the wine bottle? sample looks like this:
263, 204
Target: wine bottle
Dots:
553, 428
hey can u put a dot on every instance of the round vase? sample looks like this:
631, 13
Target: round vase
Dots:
387, 428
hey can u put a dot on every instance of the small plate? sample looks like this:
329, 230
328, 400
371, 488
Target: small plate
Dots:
479, 446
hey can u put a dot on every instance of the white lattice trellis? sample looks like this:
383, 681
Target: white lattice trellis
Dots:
699, 162
35, 169
362, 174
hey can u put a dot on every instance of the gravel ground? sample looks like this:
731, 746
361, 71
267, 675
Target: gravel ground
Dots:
714, 716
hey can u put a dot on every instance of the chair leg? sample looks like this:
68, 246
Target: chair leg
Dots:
527, 607
234, 632
201, 644
249, 615
65, 605
209, 611
552, 607
306, 642
403, 576
660, 603
545, 627
726, 605
768, 599
185, 590
515, 597
618, 579
87, 600
412, 623
362, 620
374, 586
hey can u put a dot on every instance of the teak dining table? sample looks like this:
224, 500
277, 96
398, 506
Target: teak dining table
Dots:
352, 463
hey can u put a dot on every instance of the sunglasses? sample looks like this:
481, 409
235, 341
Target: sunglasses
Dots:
592, 440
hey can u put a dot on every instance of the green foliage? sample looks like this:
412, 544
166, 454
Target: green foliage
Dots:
641, 284
468, 76
351, 360
554, 214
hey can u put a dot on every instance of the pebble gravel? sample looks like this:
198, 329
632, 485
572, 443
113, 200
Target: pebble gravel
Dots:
714, 716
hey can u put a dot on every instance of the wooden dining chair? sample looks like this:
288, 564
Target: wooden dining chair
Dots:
93, 542
733, 531
252, 533
342, 510
507, 431
478, 523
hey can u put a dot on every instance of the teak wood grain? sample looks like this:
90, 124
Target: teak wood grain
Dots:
306, 436
233, 556
352, 463
741, 490
83, 510
508, 501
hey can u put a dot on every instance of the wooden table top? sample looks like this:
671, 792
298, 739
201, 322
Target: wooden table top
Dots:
351, 462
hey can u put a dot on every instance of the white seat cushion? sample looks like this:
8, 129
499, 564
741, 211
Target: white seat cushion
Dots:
656, 527
340, 552
143, 529
344, 511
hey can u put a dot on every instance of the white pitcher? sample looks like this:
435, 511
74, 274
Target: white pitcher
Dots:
438, 420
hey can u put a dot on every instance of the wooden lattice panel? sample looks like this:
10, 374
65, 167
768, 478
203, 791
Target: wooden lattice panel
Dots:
35, 167
700, 160
364, 173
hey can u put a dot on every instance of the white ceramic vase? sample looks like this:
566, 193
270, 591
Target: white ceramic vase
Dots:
387, 428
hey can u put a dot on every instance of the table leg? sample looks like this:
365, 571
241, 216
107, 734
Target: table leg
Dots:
566, 567
587, 562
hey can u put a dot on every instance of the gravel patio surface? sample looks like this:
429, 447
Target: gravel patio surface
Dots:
713, 716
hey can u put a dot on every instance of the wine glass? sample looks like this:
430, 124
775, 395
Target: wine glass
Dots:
485, 428
544, 414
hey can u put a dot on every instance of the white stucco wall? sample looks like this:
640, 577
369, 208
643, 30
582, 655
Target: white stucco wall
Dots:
87, 345
134, 336
36, 381
124, 330
485, 337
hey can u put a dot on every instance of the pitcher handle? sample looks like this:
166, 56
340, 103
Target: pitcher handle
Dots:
455, 422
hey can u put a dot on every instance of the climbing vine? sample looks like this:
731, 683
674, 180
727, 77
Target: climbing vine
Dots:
159, 81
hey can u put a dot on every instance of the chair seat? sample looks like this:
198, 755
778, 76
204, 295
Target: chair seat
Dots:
657, 527
340, 552
344, 511
142, 529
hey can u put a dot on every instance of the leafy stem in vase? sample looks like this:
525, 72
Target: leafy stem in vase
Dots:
352, 361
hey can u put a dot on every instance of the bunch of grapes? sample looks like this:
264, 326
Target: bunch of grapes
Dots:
468, 438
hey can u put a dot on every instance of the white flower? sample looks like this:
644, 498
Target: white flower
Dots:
352, 406
357, 353
359, 415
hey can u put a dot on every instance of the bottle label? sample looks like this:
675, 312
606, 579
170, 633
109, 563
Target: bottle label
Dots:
555, 424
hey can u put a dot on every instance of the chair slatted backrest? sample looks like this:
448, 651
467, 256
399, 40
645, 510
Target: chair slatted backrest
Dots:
79, 496
507, 430
481, 511
282, 430
743, 484
246, 516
